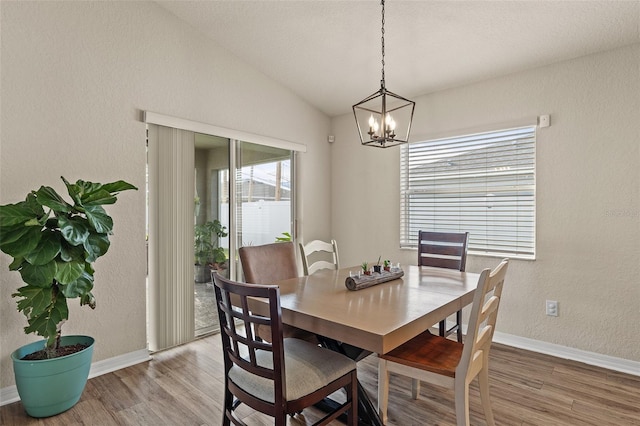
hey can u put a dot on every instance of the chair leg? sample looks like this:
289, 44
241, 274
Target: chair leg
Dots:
483, 381
280, 419
459, 322
415, 388
352, 420
462, 403
442, 328
383, 389
228, 407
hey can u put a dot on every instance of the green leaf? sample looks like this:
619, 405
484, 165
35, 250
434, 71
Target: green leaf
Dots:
33, 222
39, 276
47, 196
99, 219
98, 198
14, 214
16, 264
73, 190
75, 230
118, 186
25, 244
85, 188
96, 245
35, 300
69, 252
46, 250
10, 234
44, 310
79, 287
68, 272
86, 193
32, 203
88, 299
88, 268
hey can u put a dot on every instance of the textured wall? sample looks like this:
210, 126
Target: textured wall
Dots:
588, 196
74, 77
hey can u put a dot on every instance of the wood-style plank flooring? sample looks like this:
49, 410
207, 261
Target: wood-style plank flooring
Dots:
183, 386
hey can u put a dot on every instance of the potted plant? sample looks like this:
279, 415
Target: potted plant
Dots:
54, 244
387, 265
208, 254
365, 268
377, 267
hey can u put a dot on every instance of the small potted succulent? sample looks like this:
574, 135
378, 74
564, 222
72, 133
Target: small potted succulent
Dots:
54, 244
365, 268
387, 265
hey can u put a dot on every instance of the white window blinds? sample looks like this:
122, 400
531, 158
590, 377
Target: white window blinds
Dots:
482, 183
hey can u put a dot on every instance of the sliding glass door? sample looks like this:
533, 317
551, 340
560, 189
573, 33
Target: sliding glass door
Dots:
207, 196
211, 225
263, 194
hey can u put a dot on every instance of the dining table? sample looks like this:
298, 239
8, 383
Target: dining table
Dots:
374, 319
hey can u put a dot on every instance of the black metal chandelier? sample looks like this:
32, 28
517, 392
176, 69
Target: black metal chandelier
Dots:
384, 118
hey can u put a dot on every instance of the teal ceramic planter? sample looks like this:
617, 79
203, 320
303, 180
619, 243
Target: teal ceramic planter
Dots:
51, 386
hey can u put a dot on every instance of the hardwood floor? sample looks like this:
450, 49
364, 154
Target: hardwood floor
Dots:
183, 386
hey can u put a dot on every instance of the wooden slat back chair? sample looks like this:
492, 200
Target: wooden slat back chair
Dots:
444, 250
267, 264
282, 377
311, 251
447, 363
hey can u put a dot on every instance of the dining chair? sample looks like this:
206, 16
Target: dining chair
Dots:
315, 253
284, 376
448, 363
267, 264
444, 250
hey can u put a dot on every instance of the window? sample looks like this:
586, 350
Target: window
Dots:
482, 183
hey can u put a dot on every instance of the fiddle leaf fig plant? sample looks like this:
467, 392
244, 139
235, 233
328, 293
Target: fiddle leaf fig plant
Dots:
206, 243
54, 244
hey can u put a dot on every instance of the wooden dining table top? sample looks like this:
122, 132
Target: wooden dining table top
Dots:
378, 318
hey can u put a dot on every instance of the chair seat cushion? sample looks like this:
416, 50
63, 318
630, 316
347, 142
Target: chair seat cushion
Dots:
428, 352
308, 367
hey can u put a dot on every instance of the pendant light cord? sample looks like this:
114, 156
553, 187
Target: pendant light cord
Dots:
382, 38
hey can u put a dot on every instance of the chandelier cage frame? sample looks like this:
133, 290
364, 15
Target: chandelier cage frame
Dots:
374, 113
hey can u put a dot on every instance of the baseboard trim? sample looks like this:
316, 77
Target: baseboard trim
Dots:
9, 394
591, 358
605, 361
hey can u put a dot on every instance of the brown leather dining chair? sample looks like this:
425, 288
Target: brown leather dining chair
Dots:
447, 363
444, 250
278, 377
267, 264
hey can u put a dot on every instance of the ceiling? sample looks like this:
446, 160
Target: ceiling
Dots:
329, 52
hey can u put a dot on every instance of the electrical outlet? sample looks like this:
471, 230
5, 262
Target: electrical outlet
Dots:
552, 308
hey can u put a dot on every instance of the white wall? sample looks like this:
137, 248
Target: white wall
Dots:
588, 196
74, 77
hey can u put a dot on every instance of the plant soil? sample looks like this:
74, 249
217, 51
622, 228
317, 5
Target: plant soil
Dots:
61, 351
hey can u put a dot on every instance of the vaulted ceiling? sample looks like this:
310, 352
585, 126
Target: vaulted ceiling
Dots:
329, 52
